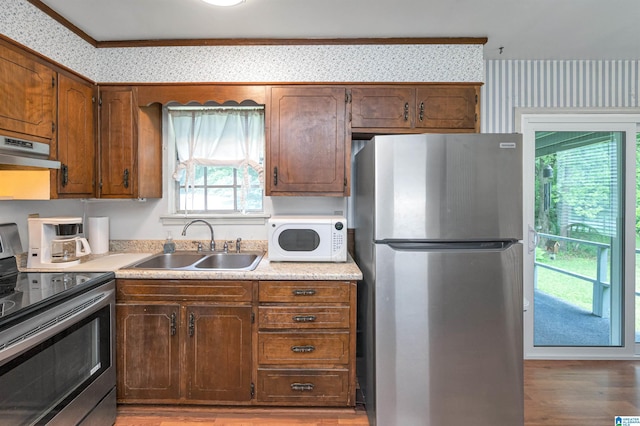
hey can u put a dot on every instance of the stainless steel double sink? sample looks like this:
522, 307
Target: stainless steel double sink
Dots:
202, 261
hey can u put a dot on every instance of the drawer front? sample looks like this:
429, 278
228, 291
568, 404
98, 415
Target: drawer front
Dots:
303, 348
303, 318
304, 291
303, 387
219, 291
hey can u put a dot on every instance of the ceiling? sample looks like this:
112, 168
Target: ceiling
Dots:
516, 29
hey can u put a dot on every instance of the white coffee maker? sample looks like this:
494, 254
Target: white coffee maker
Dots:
56, 242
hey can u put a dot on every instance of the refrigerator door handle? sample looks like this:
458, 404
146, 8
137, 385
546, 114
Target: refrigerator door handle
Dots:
446, 245
533, 240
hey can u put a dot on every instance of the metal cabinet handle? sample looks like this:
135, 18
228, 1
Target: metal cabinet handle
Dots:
302, 387
275, 176
65, 174
303, 349
173, 324
421, 111
310, 292
304, 318
126, 178
406, 111
192, 324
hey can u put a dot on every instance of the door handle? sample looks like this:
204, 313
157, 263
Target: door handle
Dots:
533, 240
173, 324
192, 324
65, 174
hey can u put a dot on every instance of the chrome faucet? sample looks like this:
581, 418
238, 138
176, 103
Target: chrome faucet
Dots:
212, 244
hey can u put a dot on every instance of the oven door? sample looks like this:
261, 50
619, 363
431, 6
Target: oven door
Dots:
58, 366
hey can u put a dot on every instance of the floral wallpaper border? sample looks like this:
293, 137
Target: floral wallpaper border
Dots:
28, 25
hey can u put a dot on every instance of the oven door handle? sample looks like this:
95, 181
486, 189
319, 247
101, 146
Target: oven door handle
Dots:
53, 320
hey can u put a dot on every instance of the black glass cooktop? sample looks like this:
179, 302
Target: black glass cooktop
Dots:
23, 293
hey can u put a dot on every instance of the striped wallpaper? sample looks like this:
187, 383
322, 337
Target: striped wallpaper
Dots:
511, 84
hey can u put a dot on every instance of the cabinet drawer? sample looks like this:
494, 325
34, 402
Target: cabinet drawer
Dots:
219, 291
303, 348
304, 291
303, 387
303, 317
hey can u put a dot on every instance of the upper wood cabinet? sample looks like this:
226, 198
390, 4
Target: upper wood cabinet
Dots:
27, 104
76, 138
392, 107
308, 144
415, 109
452, 107
130, 145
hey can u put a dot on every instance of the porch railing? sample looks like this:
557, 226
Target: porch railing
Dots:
601, 303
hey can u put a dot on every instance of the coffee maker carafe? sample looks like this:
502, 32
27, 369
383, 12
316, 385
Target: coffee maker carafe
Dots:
56, 242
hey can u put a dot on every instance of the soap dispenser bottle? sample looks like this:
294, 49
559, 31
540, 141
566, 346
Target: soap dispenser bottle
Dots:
169, 246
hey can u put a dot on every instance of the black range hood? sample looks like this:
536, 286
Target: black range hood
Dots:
20, 154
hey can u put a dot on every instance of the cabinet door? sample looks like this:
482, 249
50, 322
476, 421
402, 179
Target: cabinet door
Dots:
76, 141
387, 107
219, 353
118, 136
28, 92
447, 107
148, 350
307, 145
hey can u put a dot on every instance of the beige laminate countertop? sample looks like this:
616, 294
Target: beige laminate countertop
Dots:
266, 270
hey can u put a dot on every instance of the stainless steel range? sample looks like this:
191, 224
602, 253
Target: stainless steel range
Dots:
57, 363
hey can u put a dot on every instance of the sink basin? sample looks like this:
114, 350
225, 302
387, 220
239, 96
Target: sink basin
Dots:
246, 261
175, 260
202, 261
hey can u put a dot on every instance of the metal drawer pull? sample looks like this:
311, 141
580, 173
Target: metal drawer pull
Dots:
304, 318
302, 387
304, 292
303, 349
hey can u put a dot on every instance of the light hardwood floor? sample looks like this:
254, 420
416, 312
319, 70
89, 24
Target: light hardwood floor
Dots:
557, 393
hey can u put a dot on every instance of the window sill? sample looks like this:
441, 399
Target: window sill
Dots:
217, 219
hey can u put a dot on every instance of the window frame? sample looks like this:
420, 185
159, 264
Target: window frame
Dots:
175, 217
529, 120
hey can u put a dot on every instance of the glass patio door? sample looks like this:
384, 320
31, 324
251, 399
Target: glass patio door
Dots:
578, 255
576, 195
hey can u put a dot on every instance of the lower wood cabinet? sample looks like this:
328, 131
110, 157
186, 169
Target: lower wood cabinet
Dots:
306, 343
286, 343
184, 342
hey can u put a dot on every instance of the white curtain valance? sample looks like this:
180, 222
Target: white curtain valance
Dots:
223, 136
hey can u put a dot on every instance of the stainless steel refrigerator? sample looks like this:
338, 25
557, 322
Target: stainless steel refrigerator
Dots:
438, 238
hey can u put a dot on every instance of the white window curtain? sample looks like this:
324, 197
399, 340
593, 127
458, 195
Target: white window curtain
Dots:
217, 136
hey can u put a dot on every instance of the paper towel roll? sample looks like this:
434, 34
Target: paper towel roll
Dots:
98, 230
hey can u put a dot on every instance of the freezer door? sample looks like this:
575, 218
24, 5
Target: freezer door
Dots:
448, 337
448, 187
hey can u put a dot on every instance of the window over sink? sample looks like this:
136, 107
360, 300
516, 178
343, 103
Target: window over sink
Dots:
217, 153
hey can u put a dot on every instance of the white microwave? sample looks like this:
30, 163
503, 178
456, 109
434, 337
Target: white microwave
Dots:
307, 238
